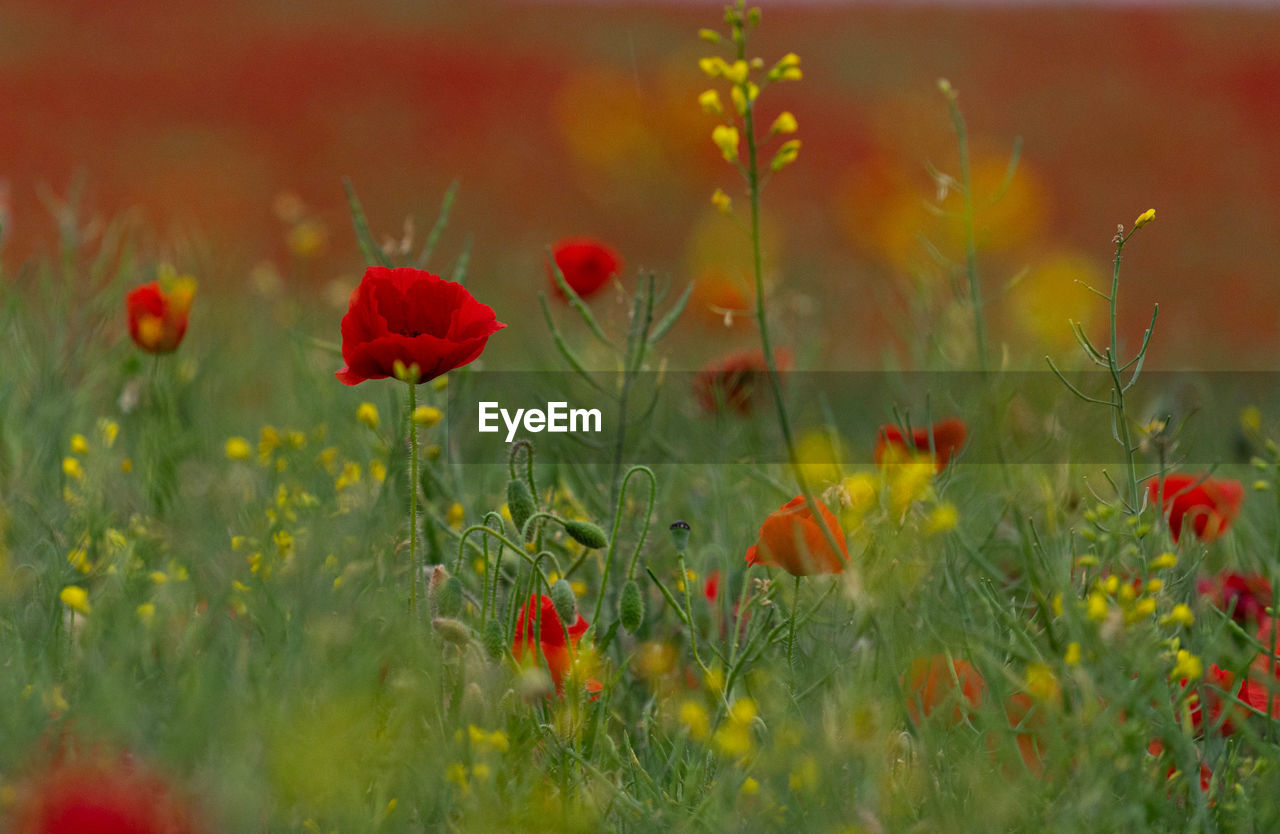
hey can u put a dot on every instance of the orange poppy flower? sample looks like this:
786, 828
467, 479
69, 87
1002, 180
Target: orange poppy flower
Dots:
790, 539
931, 683
1210, 504
158, 312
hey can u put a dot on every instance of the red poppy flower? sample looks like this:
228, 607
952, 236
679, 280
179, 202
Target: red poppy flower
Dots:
587, 265
1246, 597
736, 382
413, 317
790, 539
711, 588
948, 438
931, 683
100, 796
552, 647
158, 312
1211, 504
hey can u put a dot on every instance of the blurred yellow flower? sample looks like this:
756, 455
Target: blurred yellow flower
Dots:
1181, 615
367, 413
72, 469
454, 515
427, 416
75, 598
721, 201
1072, 657
238, 448
79, 445
726, 139
1144, 218
709, 100
786, 155
785, 123
694, 716
1187, 666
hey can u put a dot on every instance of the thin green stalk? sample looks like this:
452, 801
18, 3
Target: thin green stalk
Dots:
970, 243
1113, 366
752, 173
413, 500
688, 607
791, 639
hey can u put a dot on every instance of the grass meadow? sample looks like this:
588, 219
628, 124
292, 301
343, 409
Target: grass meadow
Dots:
969, 591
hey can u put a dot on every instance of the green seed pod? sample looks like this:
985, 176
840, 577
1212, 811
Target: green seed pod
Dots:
449, 597
631, 607
494, 644
680, 535
564, 600
520, 502
586, 534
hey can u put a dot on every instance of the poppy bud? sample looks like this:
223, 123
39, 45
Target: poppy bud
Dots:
452, 630
449, 597
680, 535
494, 641
563, 599
520, 502
585, 533
631, 607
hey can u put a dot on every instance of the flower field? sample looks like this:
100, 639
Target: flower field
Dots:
621, 547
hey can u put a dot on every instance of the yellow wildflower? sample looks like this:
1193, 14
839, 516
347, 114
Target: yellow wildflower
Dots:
146, 612
1181, 614
785, 123
1187, 666
722, 202
367, 413
944, 517
75, 598
427, 416
377, 470
237, 448
713, 67
454, 515
694, 716
79, 445
736, 72
72, 469
726, 139
1144, 218
786, 155
107, 431
1164, 561
709, 100
1072, 657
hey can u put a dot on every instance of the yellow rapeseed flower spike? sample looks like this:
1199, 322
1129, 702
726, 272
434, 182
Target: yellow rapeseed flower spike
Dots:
726, 139
75, 598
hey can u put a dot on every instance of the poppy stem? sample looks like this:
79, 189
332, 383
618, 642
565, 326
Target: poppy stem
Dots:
413, 499
791, 640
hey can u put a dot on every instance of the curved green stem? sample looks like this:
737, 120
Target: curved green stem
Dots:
688, 608
413, 499
613, 536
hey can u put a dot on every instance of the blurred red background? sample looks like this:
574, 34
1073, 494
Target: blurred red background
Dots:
563, 119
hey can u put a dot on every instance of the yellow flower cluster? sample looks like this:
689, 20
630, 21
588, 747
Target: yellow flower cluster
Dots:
739, 122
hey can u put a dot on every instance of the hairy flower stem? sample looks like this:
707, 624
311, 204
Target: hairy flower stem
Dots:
413, 499
688, 610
